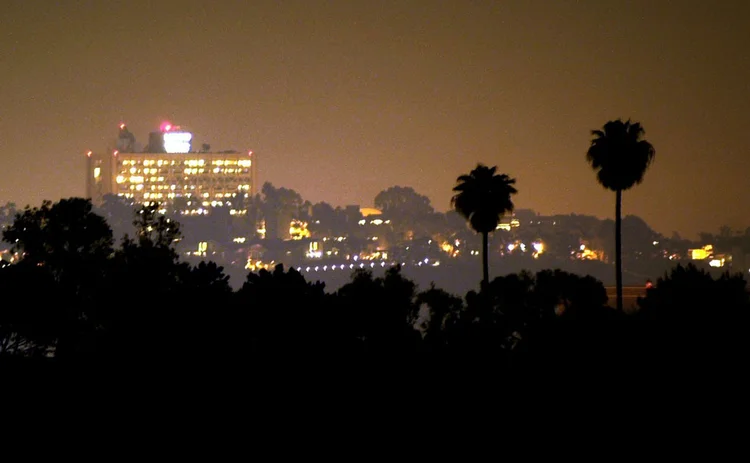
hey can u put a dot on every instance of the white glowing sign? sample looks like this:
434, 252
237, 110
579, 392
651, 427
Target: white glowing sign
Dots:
177, 142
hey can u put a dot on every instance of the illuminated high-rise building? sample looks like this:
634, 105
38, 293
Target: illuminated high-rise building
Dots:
97, 177
170, 172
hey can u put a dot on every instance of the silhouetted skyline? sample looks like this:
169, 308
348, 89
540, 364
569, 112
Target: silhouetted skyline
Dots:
341, 100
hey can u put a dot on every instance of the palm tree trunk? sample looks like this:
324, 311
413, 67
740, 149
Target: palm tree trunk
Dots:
485, 260
618, 248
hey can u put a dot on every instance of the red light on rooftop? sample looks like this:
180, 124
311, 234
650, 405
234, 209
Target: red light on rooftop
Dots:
89, 154
115, 153
122, 126
166, 126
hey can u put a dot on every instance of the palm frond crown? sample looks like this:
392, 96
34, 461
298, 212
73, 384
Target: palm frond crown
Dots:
619, 154
483, 197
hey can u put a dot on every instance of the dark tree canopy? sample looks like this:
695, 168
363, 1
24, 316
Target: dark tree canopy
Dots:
56, 233
279, 207
619, 154
154, 228
400, 200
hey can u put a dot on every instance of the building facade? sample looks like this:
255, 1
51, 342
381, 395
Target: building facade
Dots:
169, 172
97, 177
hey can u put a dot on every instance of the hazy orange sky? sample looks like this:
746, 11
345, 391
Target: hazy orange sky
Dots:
342, 99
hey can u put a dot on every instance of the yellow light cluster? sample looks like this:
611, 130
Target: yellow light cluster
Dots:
298, 230
257, 265
590, 254
702, 253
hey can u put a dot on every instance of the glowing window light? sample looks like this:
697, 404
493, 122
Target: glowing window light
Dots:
97, 172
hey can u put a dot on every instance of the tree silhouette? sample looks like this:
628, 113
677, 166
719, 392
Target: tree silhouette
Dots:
279, 207
33, 312
689, 317
620, 156
380, 312
483, 197
155, 229
403, 201
442, 308
118, 212
57, 235
64, 246
281, 314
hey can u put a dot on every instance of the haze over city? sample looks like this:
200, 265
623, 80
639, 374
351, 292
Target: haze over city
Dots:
340, 100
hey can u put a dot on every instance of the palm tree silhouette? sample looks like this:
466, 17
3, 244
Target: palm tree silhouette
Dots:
620, 157
482, 197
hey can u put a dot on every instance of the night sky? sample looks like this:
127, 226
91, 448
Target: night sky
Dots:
342, 99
